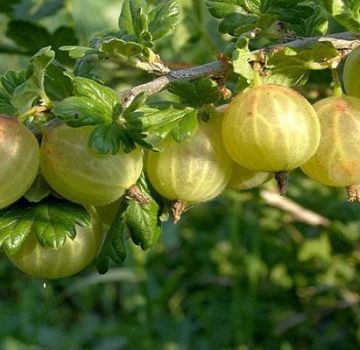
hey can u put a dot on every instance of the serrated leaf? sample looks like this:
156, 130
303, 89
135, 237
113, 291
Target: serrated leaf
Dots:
92, 104
149, 126
132, 19
346, 12
51, 220
119, 47
57, 84
163, 18
143, 219
25, 94
11, 80
113, 249
5, 104
290, 66
79, 111
110, 138
91, 89
196, 93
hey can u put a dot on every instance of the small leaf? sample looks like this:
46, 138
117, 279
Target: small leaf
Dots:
57, 84
79, 111
223, 8
118, 47
79, 51
91, 89
51, 220
25, 94
186, 127
5, 105
163, 18
236, 23
131, 20
110, 138
240, 60
38, 190
113, 249
196, 93
11, 80
346, 12
138, 101
290, 66
143, 219
149, 126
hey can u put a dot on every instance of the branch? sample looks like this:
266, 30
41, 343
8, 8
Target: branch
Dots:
295, 210
341, 41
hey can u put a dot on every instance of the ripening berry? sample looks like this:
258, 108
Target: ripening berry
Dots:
193, 171
337, 160
270, 128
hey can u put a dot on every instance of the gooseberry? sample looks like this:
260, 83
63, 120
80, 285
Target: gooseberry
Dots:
337, 160
19, 159
192, 171
270, 128
82, 175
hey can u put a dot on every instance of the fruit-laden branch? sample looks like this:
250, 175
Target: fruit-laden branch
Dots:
346, 41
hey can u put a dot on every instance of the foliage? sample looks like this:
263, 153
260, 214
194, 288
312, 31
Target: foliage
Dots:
236, 273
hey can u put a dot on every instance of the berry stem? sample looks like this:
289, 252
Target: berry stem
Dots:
337, 92
282, 178
177, 209
353, 193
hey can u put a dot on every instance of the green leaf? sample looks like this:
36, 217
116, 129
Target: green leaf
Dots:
113, 249
137, 102
28, 35
132, 20
196, 93
53, 221
11, 80
186, 127
79, 111
58, 85
110, 138
290, 66
149, 126
79, 51
236, 23
143, 219
91, 89
346, 12
38, 190
5, 104
240, 61
32, 37
223, 8
92, 104
163, 18
33, 88
119, 47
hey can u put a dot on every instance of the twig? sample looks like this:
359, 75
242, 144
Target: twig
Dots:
295, 210
342, 41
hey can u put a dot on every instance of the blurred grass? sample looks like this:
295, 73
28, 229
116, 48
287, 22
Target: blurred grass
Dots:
235, 274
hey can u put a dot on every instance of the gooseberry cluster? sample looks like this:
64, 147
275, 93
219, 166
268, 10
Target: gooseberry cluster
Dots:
266, 130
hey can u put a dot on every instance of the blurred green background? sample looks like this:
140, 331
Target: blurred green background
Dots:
235, 274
